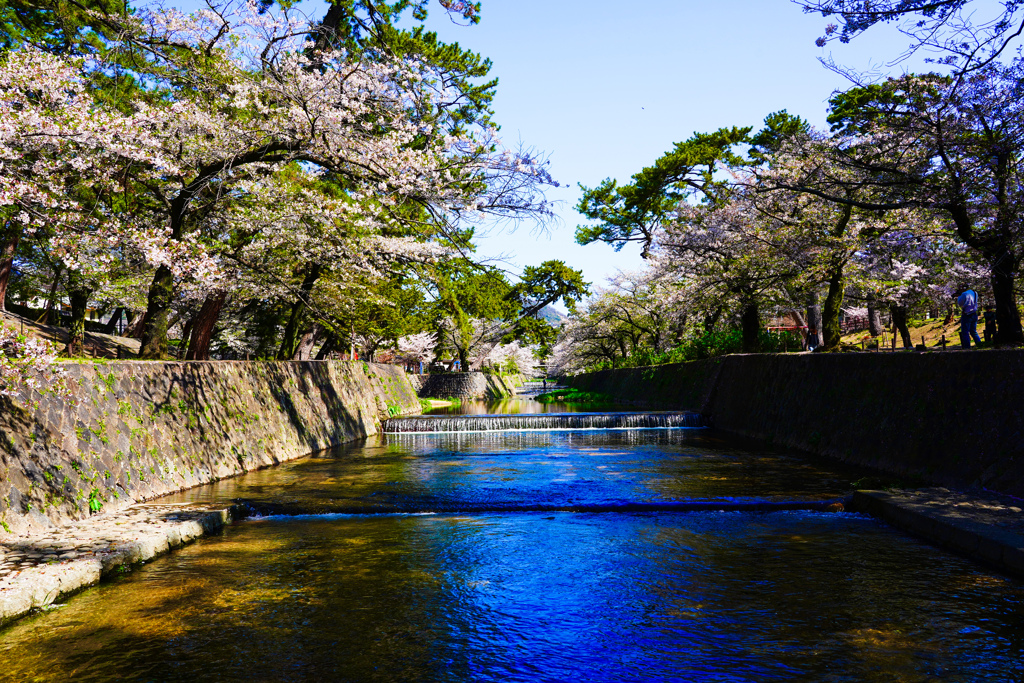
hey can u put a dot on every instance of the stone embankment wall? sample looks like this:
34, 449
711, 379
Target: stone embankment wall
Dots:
468, 385
952, 418
137, 430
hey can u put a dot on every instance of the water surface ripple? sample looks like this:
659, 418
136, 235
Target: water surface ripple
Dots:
624, 594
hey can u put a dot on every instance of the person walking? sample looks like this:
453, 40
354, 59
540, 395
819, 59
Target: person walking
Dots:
968, 301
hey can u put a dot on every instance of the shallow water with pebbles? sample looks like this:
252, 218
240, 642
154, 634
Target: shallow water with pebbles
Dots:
365, 580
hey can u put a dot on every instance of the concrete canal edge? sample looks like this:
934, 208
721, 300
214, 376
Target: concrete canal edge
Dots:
951, 419
988, 531
137, 430
40, 573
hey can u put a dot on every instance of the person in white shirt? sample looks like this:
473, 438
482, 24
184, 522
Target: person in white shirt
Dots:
968, 301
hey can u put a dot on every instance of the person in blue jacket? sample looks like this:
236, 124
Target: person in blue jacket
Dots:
968, 301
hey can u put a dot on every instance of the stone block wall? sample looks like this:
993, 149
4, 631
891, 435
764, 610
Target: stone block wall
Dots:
951, 418
137, 430
467, 385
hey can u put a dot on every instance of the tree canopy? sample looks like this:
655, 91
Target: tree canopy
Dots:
245, 181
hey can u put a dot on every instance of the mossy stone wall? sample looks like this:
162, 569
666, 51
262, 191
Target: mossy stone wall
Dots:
137, 430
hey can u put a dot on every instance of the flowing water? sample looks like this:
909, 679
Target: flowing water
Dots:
523, 556
566, 421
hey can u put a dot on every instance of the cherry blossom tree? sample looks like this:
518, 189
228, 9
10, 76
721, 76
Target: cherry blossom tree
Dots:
68, 166
937, 144
318, 111
416, 348
966, 34
241, 99
28, 365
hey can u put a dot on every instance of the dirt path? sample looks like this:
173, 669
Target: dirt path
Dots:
96, 345
931, 332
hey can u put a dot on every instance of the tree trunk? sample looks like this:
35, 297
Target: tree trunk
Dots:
751, 322
76, 330
711, 319
7, 249
111, 326
1008, 326
154, 325
899, 321
290, 343
328, 347
831, 330
135, 326
814, 338
371, 350
874, 318
202, 326
186, 336
309, 340
51, 298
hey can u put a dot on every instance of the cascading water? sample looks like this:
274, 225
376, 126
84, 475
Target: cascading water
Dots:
543, 421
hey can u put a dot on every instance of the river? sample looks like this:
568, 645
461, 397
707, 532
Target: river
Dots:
458, 557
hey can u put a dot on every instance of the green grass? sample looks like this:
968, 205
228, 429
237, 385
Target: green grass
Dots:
574, 396
454, 401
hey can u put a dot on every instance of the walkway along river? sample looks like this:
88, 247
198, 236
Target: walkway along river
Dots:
538, 554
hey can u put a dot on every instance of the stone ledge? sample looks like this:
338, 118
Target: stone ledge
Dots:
36, 571
988, 529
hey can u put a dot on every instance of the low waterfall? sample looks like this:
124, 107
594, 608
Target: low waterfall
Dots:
542, 422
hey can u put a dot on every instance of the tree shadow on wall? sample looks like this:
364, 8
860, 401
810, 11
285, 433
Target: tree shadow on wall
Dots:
340, 420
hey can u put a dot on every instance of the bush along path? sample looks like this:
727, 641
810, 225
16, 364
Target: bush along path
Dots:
575, 396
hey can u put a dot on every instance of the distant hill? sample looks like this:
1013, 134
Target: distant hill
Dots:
552, 316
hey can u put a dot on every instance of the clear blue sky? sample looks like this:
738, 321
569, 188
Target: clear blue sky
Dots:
606, 87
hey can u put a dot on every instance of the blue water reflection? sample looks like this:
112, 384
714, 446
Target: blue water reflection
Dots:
530, 597
507, 470
525, 596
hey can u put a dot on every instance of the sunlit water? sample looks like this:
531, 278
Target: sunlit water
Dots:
356, 595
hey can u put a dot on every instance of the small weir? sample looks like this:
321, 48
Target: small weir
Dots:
264, 509
543, 422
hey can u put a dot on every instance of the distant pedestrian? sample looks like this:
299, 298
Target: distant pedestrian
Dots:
990, 323
545, 384
968, 301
